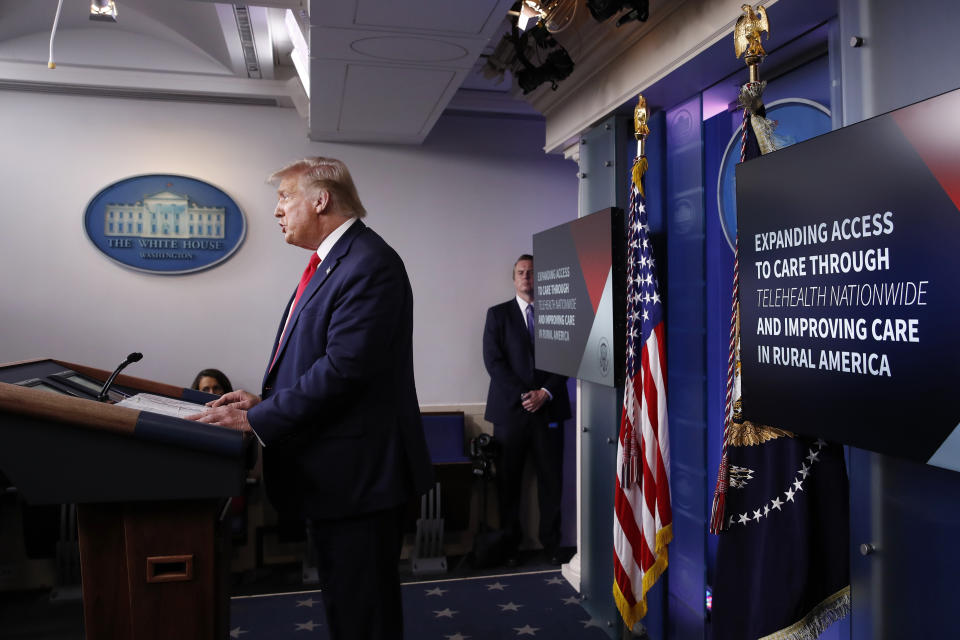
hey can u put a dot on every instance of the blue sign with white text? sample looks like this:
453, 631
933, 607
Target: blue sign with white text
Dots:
164, 224
848, 284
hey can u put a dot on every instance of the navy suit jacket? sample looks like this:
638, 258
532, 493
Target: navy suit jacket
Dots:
339, 416
508, 355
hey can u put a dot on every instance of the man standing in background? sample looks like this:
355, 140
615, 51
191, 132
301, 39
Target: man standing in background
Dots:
338, 414
527, 408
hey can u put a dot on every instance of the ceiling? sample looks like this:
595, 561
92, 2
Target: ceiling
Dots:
379, 70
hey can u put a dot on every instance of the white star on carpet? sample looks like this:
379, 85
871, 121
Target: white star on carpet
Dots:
309, 602
744, 519
436, 591
496, 586
457, 636
776, 503
757, 515
235, 633
309, 625
789, 495
510, 606
446, 613
798, 484
592, 622
571, 600
554, 580
526, 630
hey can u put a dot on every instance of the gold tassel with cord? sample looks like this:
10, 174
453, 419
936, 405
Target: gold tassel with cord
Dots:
639, 169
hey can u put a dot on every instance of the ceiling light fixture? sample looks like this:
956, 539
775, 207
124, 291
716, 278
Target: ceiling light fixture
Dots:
555, 68
103, 10
529, 9
604, 9
555, 15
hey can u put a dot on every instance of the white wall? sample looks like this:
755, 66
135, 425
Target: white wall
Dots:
458, 209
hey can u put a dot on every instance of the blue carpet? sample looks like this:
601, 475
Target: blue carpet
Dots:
520, 605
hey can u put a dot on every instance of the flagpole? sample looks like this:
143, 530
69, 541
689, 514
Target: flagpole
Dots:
746, 40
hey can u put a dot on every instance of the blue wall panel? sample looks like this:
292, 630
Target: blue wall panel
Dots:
716, 134
686, 320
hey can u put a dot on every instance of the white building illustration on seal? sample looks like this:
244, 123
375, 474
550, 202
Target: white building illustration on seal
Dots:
164, 215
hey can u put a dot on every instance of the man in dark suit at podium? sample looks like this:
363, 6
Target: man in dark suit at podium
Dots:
527, 408
338, 414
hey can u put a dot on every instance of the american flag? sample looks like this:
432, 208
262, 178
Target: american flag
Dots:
642, 525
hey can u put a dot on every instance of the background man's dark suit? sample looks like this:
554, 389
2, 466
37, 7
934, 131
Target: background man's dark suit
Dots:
508, 355
339, 416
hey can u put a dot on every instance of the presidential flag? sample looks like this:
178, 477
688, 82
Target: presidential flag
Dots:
643, 523
781, 501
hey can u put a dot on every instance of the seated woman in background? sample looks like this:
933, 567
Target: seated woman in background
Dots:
212, 381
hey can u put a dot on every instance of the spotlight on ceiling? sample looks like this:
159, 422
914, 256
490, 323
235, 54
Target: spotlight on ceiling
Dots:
103, 10
533, 57
555, 15
635, 10
529, 10
557, 66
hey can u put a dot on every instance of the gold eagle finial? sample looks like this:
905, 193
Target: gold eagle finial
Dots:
640, 115
640, 132
746, 33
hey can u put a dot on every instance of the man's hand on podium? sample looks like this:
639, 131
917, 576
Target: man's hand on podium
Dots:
229, 410
238, 399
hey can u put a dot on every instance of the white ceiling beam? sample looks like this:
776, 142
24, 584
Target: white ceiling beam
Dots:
160, 83
228, 25
262, 39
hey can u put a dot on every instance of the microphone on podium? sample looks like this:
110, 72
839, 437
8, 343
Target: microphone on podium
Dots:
133, 357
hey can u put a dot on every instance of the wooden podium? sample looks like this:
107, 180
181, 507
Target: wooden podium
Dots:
149, 491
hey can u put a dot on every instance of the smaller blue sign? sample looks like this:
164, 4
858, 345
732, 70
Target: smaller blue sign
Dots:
165, 224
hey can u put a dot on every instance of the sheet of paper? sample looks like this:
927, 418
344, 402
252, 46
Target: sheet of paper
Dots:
165, 406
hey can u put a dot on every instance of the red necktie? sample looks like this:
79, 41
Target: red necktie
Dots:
304, 280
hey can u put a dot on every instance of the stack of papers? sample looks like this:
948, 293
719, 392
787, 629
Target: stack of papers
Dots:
162, 405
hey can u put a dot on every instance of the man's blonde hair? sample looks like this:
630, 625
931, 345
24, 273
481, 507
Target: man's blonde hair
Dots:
326, 174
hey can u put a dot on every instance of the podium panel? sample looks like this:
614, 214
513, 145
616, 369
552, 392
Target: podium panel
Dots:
149, 488
151, 570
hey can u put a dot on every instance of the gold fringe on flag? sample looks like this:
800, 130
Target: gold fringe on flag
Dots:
633, 614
